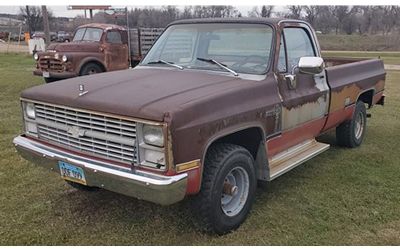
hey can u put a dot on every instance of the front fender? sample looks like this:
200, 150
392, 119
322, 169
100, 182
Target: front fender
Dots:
90, 59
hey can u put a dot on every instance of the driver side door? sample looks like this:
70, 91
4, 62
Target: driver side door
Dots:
116, 52
305, 97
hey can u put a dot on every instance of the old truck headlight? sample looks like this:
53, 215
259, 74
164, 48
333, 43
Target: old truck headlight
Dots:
30, 124
152, 147
155, 157
153, 135
36, 56
30, 110
64, 58
31, 128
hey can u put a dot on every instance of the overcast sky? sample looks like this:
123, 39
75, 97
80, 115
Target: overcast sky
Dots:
64, 12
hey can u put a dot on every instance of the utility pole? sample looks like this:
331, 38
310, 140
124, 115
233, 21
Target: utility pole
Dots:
129, 36
46, 25
28, 20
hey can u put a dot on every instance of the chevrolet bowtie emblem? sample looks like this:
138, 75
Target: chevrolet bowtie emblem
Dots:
76, 132
82, 90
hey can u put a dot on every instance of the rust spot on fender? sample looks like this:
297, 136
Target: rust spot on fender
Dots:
338, 98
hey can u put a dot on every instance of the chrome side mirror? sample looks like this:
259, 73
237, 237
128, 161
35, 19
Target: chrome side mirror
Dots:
311, 65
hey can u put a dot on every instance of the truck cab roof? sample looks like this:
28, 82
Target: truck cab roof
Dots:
270, 21
104, 26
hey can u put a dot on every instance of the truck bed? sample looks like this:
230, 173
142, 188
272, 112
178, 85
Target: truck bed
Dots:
352, 79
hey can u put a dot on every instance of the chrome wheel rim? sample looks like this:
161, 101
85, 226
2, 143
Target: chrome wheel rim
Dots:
235, 191
359, 125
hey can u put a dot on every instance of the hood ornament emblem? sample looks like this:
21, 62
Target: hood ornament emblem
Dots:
82, 90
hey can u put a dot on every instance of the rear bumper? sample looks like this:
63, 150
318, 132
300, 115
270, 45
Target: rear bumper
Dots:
164, 190
58, 75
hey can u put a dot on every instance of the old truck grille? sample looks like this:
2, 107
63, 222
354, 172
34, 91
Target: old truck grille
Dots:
99, 135
50, 64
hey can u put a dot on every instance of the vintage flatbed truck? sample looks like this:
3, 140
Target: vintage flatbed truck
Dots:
214, 107
95, 48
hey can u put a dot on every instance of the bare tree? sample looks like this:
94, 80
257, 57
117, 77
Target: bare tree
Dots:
33, 17
350, 21
254, 12
391, 16
223, 11
339, 13
311, 13
266, 10
46, 26
187, 12
294, 11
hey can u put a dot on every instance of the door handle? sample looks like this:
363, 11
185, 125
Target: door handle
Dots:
291, 81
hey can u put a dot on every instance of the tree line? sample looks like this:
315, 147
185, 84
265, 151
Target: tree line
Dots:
361, 20
327, 19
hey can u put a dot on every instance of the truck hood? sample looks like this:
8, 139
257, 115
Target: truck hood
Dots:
144, 92
75, 47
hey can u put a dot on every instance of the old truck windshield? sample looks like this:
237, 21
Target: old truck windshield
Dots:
244, 48
88, 34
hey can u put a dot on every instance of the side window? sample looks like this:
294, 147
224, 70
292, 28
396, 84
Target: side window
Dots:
298, 44
114, 37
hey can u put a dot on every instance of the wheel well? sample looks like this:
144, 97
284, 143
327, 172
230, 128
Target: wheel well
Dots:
248, 138
94, 62
367, 97
253, 140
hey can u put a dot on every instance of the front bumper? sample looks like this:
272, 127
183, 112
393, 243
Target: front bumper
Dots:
164, 190
57, 75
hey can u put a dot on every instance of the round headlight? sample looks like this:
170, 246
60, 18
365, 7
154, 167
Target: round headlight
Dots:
64, 58
30, 110
153, 135
36, 56
56, 55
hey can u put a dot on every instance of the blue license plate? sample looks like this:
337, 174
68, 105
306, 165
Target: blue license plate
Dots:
72, 173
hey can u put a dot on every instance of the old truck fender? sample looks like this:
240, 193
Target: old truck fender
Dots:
88, 60
260, 155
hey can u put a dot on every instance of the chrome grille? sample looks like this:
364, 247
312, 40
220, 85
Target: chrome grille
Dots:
99, 135
50, 64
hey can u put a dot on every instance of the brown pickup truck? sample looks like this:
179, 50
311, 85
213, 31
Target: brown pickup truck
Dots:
216, 106
94, 48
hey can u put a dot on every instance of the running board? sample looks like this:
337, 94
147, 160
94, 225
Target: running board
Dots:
294, 156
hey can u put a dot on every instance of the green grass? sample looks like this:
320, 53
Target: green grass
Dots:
359, 42
388, 57
342, 197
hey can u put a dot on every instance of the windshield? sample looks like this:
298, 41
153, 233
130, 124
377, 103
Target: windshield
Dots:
244, 48
88, 34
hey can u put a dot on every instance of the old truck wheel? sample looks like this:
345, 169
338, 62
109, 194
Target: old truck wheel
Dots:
228, 188
81, 187
90, 68
351, 133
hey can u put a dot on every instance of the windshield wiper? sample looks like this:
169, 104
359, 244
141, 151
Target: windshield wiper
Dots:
219, 64
165, 62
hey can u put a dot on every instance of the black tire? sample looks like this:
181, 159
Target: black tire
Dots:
50, 79
82, 187
351, 133
66, 41
220, 161
90, 68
